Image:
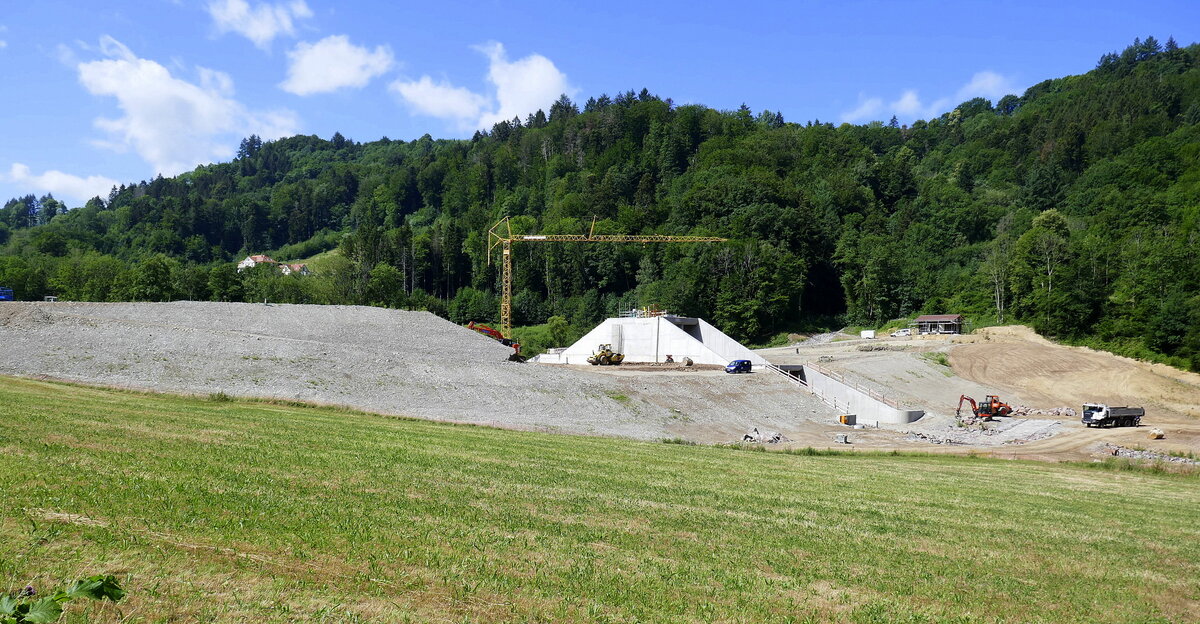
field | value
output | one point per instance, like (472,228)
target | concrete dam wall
(868,406)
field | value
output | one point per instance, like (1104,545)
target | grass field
(217,510)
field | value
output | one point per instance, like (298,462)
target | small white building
(285,268)
(645,340)
(252,261)
(298,269)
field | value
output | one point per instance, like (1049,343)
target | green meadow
(219,510)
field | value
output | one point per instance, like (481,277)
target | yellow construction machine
(605,356)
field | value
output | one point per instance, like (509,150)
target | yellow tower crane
(505,239)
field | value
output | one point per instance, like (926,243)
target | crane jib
(501,235)
(613,238)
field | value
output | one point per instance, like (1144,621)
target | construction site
(826,391)
(646,374)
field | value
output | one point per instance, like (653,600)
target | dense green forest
(1074,207)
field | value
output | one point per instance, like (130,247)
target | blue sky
(97,93)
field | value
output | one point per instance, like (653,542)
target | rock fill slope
(389,361)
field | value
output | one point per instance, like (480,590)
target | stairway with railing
(792,378)
(840,378)
(849,396)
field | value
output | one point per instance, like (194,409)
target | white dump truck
(1100,415)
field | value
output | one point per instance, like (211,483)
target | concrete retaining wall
(645,340)
(870,407)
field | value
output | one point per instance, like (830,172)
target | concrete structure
(939,324)
(645,340)
(868,406)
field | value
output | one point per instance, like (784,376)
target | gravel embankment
(389,361)
(1142,454)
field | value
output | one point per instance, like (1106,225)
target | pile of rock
(1123,451)
(764,437)
(970,420)
(916,436)
(1002,431)
(1055,412)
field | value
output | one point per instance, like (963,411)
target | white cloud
(519,87)
(66,55)
(62,185)
(441,99)
(908,104)
(987,84)
(522,86)
(333,63)
(868,109)
(173,124)
(260,23)
(3,44)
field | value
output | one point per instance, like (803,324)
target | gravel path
(389,361)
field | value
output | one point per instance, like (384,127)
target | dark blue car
(738,366)
(6,294)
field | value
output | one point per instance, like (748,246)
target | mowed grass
(232,511)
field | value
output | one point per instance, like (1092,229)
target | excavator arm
(974,407)
(492,333)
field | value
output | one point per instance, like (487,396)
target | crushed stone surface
(381,360)
(990,433)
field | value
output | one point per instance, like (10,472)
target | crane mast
(500,235)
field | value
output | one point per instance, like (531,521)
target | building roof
(263,259)
(938,318)
(297,267)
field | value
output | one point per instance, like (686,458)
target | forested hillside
(1074,207)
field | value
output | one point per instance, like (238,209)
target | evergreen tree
(563,109)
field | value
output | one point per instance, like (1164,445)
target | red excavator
(989,409)
(499,337)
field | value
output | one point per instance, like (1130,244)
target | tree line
(1071,207)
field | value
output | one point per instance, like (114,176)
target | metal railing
(840,378)
(794,379)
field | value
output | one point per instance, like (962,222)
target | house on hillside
(253,261)
(285,268)
(298,269)
(939,324)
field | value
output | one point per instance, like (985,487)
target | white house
(285,268)
(253,261)
(298,269)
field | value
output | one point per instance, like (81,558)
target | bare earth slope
(1025,370)
(1016,359)
(1049,374)
(389,361)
